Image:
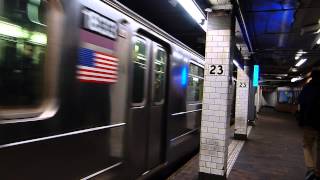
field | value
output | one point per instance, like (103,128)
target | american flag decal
(96,67)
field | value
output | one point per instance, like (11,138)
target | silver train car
(90,90)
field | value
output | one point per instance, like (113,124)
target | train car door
(146,128)
(157,99)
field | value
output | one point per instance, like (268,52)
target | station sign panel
(216,69)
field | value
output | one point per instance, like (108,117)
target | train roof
(123,9)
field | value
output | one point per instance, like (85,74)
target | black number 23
(213,69)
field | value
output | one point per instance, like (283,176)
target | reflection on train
(88,89)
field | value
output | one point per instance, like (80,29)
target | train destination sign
(99,24)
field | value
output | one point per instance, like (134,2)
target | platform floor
(273,152)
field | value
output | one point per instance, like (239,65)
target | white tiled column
(216,97)
(242,104)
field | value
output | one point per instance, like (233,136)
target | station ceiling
(277,30)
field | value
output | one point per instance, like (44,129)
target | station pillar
(217,96)
(242,104)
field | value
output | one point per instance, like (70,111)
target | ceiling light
(294,69)
(296,79)
(297,57)
(318,41)
(301,52)
(195,12)
(301,62)
(236,63)
(282,75)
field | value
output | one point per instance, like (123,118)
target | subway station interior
(159,89)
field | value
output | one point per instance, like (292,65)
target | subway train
(91,90)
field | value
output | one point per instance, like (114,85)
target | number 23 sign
(216,69)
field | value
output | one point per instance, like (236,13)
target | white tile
(204,170)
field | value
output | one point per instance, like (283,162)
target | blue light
(279,20)
(184,76)
(255,75)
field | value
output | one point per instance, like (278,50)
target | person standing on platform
(309,101)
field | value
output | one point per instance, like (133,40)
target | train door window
(23,43)
(139,70)
(195,85)
(160,61)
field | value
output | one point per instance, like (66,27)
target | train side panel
(95,131)
(87,133)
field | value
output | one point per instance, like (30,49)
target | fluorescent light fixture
(296,79)
(293,79)
(318,41)
(236,63)
(301,52)
(195,12)
(298,56)
(301,62)
(256,70)
(294,69)
(281,76)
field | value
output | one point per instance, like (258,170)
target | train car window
(195,85)
(23,43)
(139,68)
(159,75)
